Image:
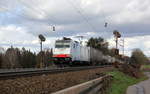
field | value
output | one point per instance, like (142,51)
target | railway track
(30,71)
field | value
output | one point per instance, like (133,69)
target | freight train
(70,52)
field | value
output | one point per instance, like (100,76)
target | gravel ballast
(48,83)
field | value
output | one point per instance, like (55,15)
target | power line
(81,12)
(106,24)
(82,15)
(39,11)
(102,11)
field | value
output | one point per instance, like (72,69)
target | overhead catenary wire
(80,12)
(102,13)
(22,14)
(50,16)
(105,21)
(38,11)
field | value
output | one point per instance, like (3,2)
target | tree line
(102,45)
(137,58)
(22,58)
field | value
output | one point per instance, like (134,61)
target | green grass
(121,82)
(145,66)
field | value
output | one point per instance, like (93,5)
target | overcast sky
(21,21)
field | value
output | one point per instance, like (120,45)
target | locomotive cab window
(59,46)
(62,44)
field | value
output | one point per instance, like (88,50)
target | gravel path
(140,88)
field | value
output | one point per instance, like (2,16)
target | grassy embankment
(145,68)
(121,82)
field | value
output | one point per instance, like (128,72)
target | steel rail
(23,72)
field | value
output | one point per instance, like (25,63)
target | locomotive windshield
(62,44)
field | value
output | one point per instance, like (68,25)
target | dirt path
(140,88)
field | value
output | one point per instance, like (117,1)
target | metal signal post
(122,45)
(42,39)
(116,35)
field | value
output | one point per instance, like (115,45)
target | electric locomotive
(68,52)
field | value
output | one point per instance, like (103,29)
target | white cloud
(72,18)
(13,33)
(7,5)
(19,37)
(134,11)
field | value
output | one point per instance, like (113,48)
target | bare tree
(10,59)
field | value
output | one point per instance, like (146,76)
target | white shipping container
(95,55)
(80,53)
(85,53)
